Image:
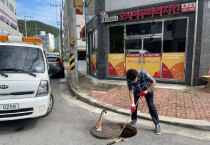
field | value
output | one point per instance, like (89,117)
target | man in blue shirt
(141,84)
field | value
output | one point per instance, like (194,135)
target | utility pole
(25,21)
(75,46)
(59,46)
(36,30)
(61,31)
(72,36)
(55,5)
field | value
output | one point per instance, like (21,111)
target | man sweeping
(141,84)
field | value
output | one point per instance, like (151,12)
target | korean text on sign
(172,9)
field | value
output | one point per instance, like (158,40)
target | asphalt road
(71,120)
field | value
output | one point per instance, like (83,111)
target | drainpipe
(194,44)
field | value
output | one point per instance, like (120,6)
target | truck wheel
(50,107)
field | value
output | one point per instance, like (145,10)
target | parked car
(55,66)
(52,54)
(25,90)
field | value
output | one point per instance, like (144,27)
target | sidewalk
(176,101)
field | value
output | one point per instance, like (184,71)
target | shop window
(92,42)
(133,46)
(144,28)
(11,7)
(116,39)
(175,35)
(152,45)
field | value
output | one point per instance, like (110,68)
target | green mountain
(32,25)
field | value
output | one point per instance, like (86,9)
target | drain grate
(109,131)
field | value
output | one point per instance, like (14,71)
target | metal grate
(109,131)
(16,113)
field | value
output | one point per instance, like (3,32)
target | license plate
(9,107)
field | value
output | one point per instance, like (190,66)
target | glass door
(144,53)
(151,55)
(133,53)
(143,47)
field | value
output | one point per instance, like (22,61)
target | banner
(116,65)
(173,65)
(79,7)
(151,63)
(8,19)
(93,63)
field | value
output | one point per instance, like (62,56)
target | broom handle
(130,116)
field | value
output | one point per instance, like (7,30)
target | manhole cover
(109,131)
(128,131)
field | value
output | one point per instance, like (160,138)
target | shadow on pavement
(7,127)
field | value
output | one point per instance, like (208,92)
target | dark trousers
(150,104)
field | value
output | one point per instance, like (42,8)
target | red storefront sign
(171,9)
(189,7)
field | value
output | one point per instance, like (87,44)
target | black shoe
(132,123)
(157,129)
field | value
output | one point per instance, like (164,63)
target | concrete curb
(198,124)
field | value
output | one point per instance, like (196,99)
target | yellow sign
(72,43)
(173,65)
(151,63)
(79,7)
(93,62)
(116,65)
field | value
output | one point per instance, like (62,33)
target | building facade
(8,18)
(81,44)
(80,23)
(57,42)
(48,41)
(167,38)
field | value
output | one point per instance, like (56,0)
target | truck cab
(25,90)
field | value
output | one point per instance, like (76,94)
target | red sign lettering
(171,9)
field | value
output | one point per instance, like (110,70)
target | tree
(55,50)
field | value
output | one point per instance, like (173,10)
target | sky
(40,10)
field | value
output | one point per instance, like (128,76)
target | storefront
(157,38)
(157,47)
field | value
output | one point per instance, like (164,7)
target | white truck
(25,90)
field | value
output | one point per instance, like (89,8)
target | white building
(48,41)
(58,42)
(8,18)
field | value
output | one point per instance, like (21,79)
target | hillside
(31,28)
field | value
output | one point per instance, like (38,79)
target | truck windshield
(22,58)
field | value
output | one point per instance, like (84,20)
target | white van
(25,90)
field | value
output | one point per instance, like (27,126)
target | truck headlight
(43,89)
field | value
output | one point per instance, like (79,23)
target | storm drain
(110,131)
(128,131)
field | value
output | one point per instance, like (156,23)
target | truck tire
(50,107)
